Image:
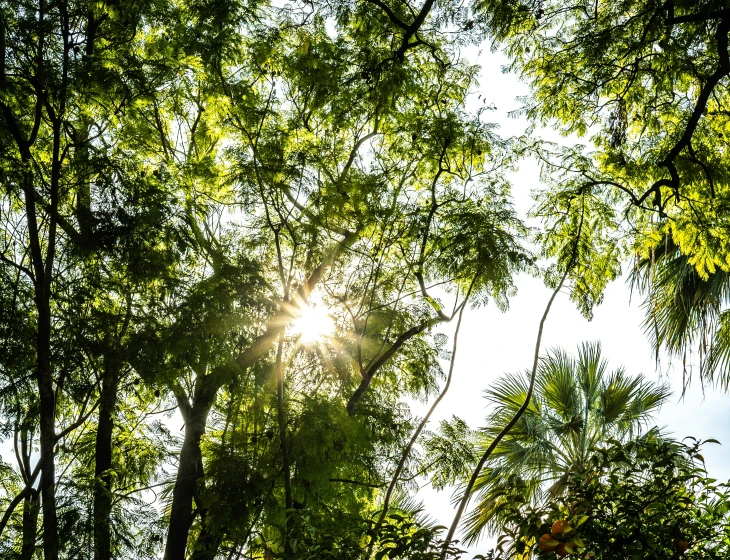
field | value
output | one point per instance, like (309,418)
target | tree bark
(30,524)
(188,475)
(42,276)
(281,414)
(44,374)
(210,538)
(103,461)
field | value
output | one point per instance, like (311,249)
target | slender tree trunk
(495,442)
(44,376)
(189,473)
(42,275)
(103,461)
(372,370)
(358,393)
(28,491)
(47,438)
(83,194)
(31,506)
(414,438)
(281,413)
(196,416)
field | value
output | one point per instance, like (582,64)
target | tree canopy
(232,229)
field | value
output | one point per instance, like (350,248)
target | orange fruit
(560,527)
(548,543)
(682,546)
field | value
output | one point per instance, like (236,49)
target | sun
(312,324)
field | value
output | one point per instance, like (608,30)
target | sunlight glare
(313,324)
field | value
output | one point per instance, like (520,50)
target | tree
(361,195)
(61,105)
(648,498)
(180,181)
(578,405)
(647,81)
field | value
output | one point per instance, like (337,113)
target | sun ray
(312,324)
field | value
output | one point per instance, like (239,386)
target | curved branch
(467,492)
(417,433)
(368,375)
(23,493)
(722,70)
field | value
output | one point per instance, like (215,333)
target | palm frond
(495,495)
(508,392)
(645,402)
(577,406)
(716,367)
(615,396)
(684,310)
(556,384)
(592,369)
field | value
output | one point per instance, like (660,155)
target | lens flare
(313,324)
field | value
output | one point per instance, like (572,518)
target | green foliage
(646,81)
(405,534)
(640,499)
(449,453)
(184,177)
(180,180)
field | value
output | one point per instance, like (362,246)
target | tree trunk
(196,416)
(44,376)
(103,461)
(281,414)
(210,538)
(30,524)
(189,473)
(42,280)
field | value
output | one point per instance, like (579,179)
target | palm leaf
(577,406)
(684,310)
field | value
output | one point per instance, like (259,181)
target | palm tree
(685,311)
(578,404)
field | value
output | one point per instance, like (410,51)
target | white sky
(492,343)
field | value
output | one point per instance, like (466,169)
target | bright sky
(491,343)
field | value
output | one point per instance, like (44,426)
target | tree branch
(375,366)
(391,15)
(719,14)
(467,492)
(419,430)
